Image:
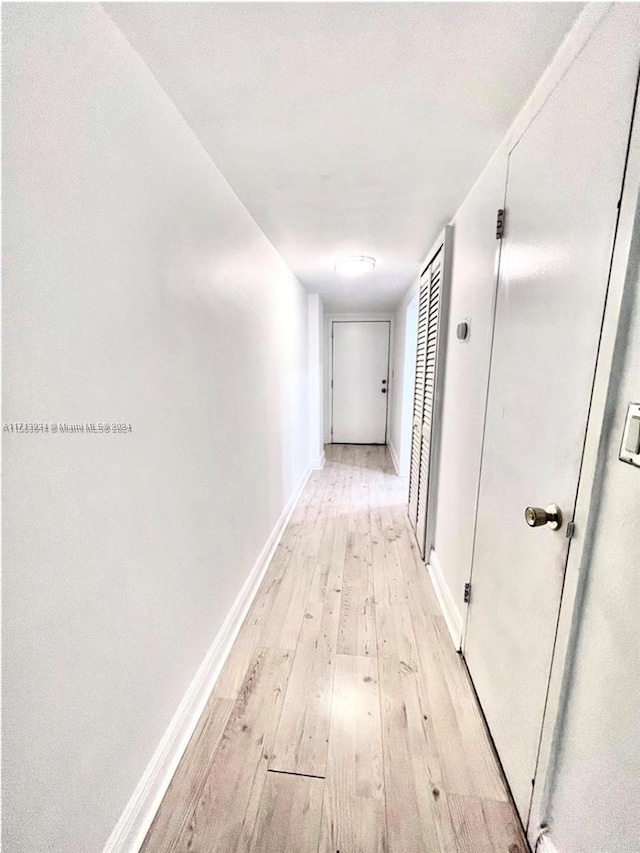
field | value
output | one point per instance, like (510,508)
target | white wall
(316,380)
(403,364)
(595,790)
(137,289)
(466,374)
(407,383)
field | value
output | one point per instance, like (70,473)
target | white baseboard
(394,458)
(318,464)
(450,611)
(134,823)
(544,845)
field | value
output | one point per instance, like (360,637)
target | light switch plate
(630,447)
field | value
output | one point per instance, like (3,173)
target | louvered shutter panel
(418,397)
(430,368)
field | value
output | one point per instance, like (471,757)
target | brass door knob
(535,516)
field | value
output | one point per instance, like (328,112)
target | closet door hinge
(467,593)
(500,225)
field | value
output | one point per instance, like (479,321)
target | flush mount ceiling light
(355,266)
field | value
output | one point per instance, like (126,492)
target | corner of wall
(544,845)
(394,458)
(446,600)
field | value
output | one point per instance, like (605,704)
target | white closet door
(418,398)
(428,355)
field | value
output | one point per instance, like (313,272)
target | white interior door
(563,186)
(360,381)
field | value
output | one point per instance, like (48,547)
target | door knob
(535,516)
(384,390)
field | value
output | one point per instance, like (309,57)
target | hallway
(343,719)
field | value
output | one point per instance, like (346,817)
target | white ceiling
(348,128)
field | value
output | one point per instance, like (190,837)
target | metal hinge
(500,225)
(332,383)
(467,593)
(571,529)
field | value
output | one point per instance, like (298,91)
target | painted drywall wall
(408,384)
(595,787)
(316,380)
(466,374)
(137,290)
(403,381)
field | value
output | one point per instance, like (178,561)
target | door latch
(535,516)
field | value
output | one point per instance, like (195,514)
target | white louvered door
(418,397)
(428,354)
(433,326)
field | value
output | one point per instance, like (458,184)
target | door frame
(356,317)
(588,481)
(387,390)
(445,241)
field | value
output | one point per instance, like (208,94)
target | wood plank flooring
(343,720)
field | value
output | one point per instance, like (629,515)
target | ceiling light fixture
(355,266)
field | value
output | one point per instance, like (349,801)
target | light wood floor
(343,721)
